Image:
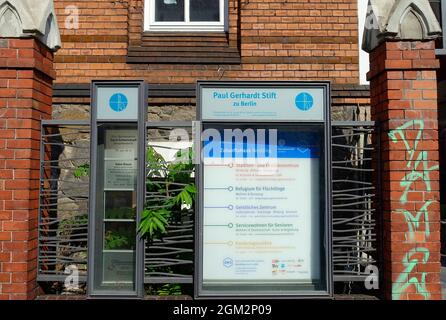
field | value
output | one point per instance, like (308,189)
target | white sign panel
(120,175)
(261,221)
(121,144)
(120,159)
(263,104)
(118,103)
(118,267)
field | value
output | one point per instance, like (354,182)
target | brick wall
(25,97)
(278,40)
(404,101)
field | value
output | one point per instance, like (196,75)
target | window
(364,64)
(185,15)
(439,8)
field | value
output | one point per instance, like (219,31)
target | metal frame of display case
(326,233)
(141,127)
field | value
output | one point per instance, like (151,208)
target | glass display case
(116,204)
(117,168)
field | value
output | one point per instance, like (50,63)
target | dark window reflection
(204,10)
(169,10)
(436,7)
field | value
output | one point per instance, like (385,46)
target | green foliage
(164,179)
(170,290)
(74,220)
(154,222)
(187,195)
(115,241)
(65,226)
(120,213)
(82,171)
(179,170)
(156,162)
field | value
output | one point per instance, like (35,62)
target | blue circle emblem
(118,102)
(304,101)
(228,262)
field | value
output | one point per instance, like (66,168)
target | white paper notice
(120,174)
(120,159)
(121,144)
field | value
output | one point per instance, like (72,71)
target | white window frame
(364,64)
(200,26)
(443,28)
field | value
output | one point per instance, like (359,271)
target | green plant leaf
(82,171)
(187,195)
(153,222)
(166,201)
(157,164)
(115,241)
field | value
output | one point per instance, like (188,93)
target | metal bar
(42,158)
(66,122)
(353,124)
(169,124)
(346,278)
(158,90)
(161,280)
(60,278)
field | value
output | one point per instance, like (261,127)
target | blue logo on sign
(118,102)
(304,101)
(228,262)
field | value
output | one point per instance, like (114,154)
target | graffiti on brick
(404,280)
(420,157)
(413,221)
(419,170)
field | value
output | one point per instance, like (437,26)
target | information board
(260,216)
(264,211)
(248,104)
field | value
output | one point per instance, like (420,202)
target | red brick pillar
(26,76)
(404,103)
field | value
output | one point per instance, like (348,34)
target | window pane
(293,257)
(115,215)
(169,10)
(205,10)
(436,7)
(119,236)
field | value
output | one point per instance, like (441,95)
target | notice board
(264,215)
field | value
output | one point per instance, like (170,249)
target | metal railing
(63,210)
(354,210)
(64,189)
(170,259)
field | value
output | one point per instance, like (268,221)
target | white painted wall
(363,56)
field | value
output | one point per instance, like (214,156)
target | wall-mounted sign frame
(263,231)
(117,167)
